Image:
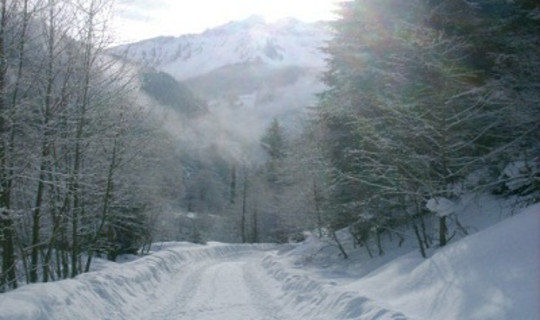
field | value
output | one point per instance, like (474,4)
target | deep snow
(492,274)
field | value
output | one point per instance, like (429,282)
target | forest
(426,101)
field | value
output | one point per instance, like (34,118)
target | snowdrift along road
(198,283)
(492,274)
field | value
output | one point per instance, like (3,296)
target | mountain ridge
(245,73)
(284,43)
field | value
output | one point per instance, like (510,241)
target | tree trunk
(244,209)
(378,240)
(427,239)
(317,201)
(420,242)
(36,241)
(255,225)
(78,156)
(34,256)
(8,278)
(442,231)
(107,199)
(340,247)
(232,196)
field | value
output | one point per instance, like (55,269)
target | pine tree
(272,182)
(410,111)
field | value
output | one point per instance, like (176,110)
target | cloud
(140,19)
(142,10)
(148,4)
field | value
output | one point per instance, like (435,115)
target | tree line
(75,150)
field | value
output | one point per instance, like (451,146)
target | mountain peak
(237,25)
(286,42)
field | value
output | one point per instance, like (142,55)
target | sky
(141,19)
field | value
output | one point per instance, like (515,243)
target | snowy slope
(493,274)
(284,43)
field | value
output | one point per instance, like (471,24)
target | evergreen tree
(273,141)
(271,185)
(411,112)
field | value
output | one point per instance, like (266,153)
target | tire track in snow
(177,293)
(223,293)
(231,288)
(259,286)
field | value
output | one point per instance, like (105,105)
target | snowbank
(113,293)
(493,274)
(315,299)
(441,206)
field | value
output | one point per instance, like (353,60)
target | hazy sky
(141,19)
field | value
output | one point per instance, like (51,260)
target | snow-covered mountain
(248,72)
(284,43)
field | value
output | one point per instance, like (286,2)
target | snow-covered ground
(492,274)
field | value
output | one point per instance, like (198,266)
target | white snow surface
(441,206)
(492,274)
(519,173)
(287,42)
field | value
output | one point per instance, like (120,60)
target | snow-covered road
(488,275)
(218,289)
(218,281)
